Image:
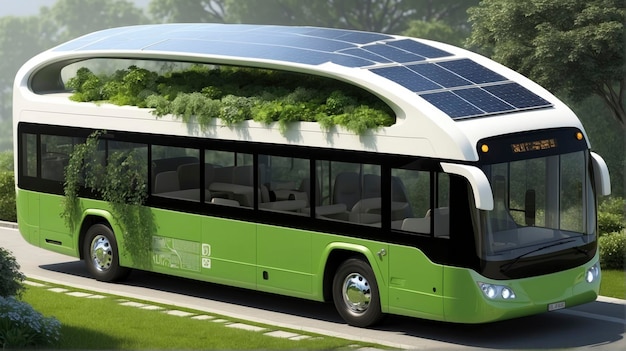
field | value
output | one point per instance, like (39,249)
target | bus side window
(283,184)
(229,178)
(442,207)
(176,173)
(411,200)
(350,192)
(29,155)
(55,155)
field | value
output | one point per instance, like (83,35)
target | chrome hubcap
(356,293)
(101,253)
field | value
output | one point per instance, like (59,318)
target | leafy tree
(20,39)
(23,37)
(575,46)
(436,30)
(391,16)
(605,135)
(73,18)
(187,11)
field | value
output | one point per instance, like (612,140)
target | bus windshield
(539,202)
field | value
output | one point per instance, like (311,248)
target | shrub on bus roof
(236,94)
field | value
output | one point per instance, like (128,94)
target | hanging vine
(121,181)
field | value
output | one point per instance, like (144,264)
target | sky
(31,7)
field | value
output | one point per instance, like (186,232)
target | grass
(613,284)
(98,324)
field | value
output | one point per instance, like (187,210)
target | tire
(355,293)
(102,256)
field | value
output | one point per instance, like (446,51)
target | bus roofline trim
(483,196)
(601,175)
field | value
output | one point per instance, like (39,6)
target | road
(601,324)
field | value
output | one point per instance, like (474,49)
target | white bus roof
(445,98)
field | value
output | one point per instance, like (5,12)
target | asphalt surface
(600,325)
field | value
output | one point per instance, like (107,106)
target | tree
(187,11)
(573,46)
(23,37)
(20,39)
(436,30)
(69,19)
(389,16)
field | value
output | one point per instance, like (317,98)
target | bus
(476,203)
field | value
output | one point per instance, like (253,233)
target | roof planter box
(235,94)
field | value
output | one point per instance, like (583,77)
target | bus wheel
(355,293)
(101,254)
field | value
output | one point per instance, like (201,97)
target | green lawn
(613,284)
(104,323)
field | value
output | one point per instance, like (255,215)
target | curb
(5,224)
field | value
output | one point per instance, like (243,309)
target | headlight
(593,273)
(494,292)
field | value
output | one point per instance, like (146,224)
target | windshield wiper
(505,267)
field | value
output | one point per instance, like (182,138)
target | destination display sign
(531,144)
(535,145)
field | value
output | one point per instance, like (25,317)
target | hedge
(613,250)
(7,197)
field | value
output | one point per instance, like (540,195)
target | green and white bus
(477,203)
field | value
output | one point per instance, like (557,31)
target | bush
(22,326)
(236,94)
(8,210)
(6,161)
(613,250)
(611,215)
(10,276)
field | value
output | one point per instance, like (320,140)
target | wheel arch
(90,218)
(340,252)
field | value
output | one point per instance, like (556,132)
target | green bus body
(294,262)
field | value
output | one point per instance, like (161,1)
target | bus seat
(166,182)
(442,222)
(305,186)
(53,168)
(169,164)
(225,202)
(364,218)
(223,174)
(416,225)
(243,175)
(347,189)
(371,186)
(209,174)
(369,205)
(189,176)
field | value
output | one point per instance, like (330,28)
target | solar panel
(439,75)
(344,35)
(407,78)
(517,95)
(367,55)
(472,71)
(460,87)
(419,48)
(484,100)
(393,53)
(452,105)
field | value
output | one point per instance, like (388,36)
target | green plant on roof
(235,94)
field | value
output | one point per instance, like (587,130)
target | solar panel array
(459,87)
